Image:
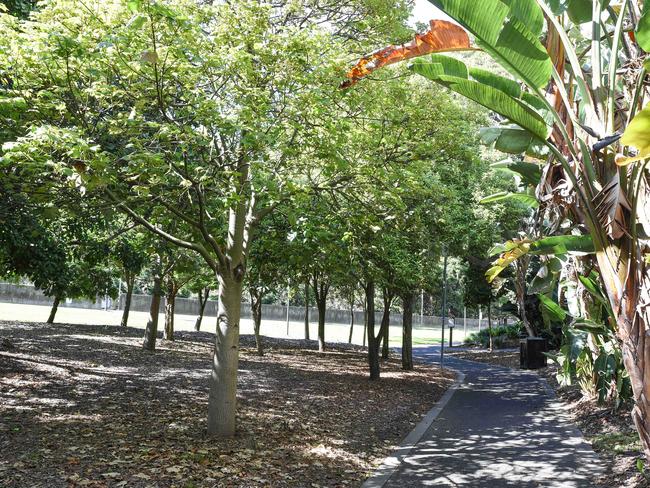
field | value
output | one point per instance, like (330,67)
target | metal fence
(28,295)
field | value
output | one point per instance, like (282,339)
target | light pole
(288,291)
(422,308)
(444,305)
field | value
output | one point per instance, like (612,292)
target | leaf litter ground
(86,406)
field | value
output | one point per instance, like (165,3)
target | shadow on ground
(86,406)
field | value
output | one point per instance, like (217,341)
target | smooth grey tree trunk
(307,310)
(385,323)
(373,341)
(407,331)
(322,308)
(170,307)
(256,312)
(55,307)
(222,400)
(351,322)
(321,289)
(203,301)
(130,282)
(365,323)
(151,331)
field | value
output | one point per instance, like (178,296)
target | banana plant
(579,115)
(577,94)
(590,353)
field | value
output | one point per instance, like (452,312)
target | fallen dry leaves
(507,359)
(86,406)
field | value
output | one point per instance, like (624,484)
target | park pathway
(501,428)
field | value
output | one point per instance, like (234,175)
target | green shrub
(501,336)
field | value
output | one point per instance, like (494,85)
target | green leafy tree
(202,113)
(129,253)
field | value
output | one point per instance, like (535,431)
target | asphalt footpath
(499,428)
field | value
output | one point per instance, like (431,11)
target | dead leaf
(611,206)
(442,36)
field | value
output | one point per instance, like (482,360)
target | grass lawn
(272,328)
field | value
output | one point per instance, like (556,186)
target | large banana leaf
(524,198)
(637,134)
(512,140)
(643,31)
(528,12)
(509,30)
(552,309)
(563,244)
(580,11)
(529,172)
(515,249)
(449,72)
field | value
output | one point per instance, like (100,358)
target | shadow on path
(502,427)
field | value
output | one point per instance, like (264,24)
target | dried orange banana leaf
(442,36)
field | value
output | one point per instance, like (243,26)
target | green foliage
(19,8)
(502,336)
(491,95)
(508,32)
(590,352)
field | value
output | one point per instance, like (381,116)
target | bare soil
(84,405)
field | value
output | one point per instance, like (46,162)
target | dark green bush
(502,336)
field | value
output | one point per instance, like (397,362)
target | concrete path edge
(390,464)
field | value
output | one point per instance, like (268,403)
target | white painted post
(480,317)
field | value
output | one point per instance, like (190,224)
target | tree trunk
(627,282)
(365,322)
(170,306)
(407,331)
(351,321)
(322,308)
(373,342)
(222,401)
(151,331)
(203,301)
(320,294)
(130,282)
(490,324)
(256,312)
(521,268)
(385,322)
(55,307)
(307,310)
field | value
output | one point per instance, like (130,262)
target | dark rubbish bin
(531,352)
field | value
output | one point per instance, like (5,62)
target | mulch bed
(611,433)
(86,406)
(508,359)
